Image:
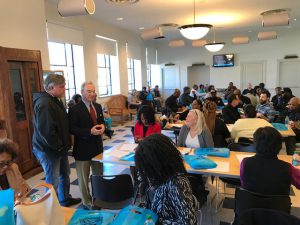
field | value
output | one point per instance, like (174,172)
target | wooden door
(20,76)
(252,72)
(289,75)
(23,79)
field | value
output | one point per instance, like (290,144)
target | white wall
(22,24)
(92,27)
(270,51)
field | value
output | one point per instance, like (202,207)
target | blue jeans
(57,172)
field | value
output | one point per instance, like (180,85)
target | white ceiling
(234,17)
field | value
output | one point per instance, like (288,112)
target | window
(104,63)
(134,74)
(69,58)
(153,75)
(131,77)
(107,66)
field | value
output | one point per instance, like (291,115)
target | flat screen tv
(224,60)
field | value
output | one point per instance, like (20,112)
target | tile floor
(225,213)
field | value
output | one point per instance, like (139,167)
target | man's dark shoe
(70,201)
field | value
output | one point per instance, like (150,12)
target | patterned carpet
(223,216)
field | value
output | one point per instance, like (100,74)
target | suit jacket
(86,145)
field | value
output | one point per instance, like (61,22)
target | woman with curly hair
(10,176)
(168,191)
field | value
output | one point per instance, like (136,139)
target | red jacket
(152,129)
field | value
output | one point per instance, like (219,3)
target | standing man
(51,140)
(87,126)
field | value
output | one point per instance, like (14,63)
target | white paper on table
(240,157)
(221,167)
(185,151)
(128,147)
(118,154)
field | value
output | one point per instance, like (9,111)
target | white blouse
(192,142)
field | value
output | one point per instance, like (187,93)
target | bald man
(294,116)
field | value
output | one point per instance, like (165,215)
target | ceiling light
(141,28)
(75,8)
(120,19)
(176,44)
(240,40)
(121,2)
(199,43)
(194,31)
(214,46)
(267,35)
(277,17)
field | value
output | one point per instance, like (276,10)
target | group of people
(159,164)
(283,108)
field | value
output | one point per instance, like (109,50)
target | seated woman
(265,173)
(196,104)
(10,176)
(195,133)
(146,124)
(168,191)
(216,126)
(246,127)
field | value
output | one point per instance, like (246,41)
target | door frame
(242,78)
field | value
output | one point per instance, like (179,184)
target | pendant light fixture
(194,31)
(214,46)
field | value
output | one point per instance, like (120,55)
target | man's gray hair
(53,80)
(85,83)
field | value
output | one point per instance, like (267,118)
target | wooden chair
(117,107)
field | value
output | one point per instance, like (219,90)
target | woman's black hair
(267,141)
(9,147)
(148,114)
(250,111)
(157,159)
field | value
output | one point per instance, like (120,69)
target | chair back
(266,216)
(241,147)
(245,200)
(245,140)
(112,189)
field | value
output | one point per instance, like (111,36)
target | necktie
(93,114)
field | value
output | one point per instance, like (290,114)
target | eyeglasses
(5,163)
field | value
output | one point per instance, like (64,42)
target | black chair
(238,147)
(245,140)
(241,147)
(112,192)
(266,216)
(245,200)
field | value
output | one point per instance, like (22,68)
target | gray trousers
(83,173)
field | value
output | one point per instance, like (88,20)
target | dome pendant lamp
(194,31)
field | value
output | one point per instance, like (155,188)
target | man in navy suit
(87,126)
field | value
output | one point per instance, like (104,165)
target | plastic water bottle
(286,121)
(149,220)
